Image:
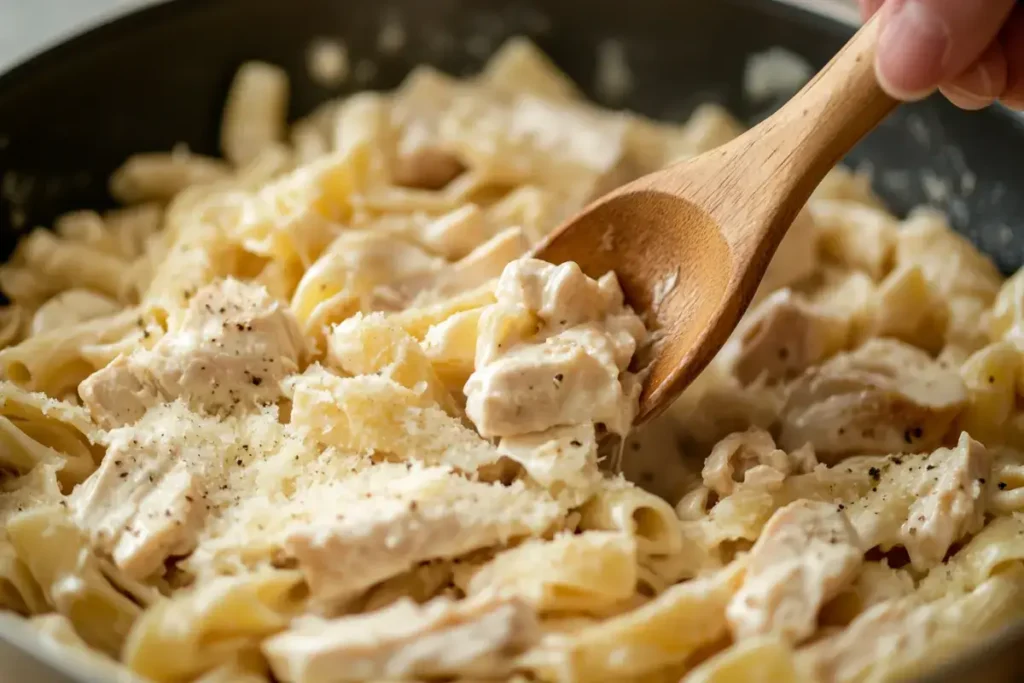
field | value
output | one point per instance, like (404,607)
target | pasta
(159,177)
(228,614)
(311,414)
(254,115)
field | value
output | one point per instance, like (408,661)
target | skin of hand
(971,50)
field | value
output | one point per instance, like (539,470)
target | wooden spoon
(691,243)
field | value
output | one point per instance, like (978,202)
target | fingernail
(972,90)
(977,81)
(912,51)
(966,99)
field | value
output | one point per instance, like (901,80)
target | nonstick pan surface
(158,77)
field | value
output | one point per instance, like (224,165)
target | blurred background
(28,25)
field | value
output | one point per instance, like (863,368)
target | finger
(869,7)
(982,83)
(1012,40)
(927,42)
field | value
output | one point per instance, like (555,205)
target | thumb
(869,7)
(926,42)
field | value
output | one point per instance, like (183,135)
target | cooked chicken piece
(885,397)
(553,351)
(925,502)
(119,394)
(752,458)
(570,379)
(806,554)
(948,503)
(233,348)
(144,503)
(442,639)
(433,516)
(782,337)
(562,459)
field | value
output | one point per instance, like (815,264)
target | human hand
(971,50)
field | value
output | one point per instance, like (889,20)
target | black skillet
(158,77)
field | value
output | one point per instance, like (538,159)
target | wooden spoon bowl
(691,243)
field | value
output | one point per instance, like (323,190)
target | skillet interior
(158,77)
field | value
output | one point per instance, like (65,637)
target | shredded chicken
(234,347)
(145,502)
(383,536)
(885,397)
(949,501)
(554,351)
(441,639)
(806,554)
(561,459)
